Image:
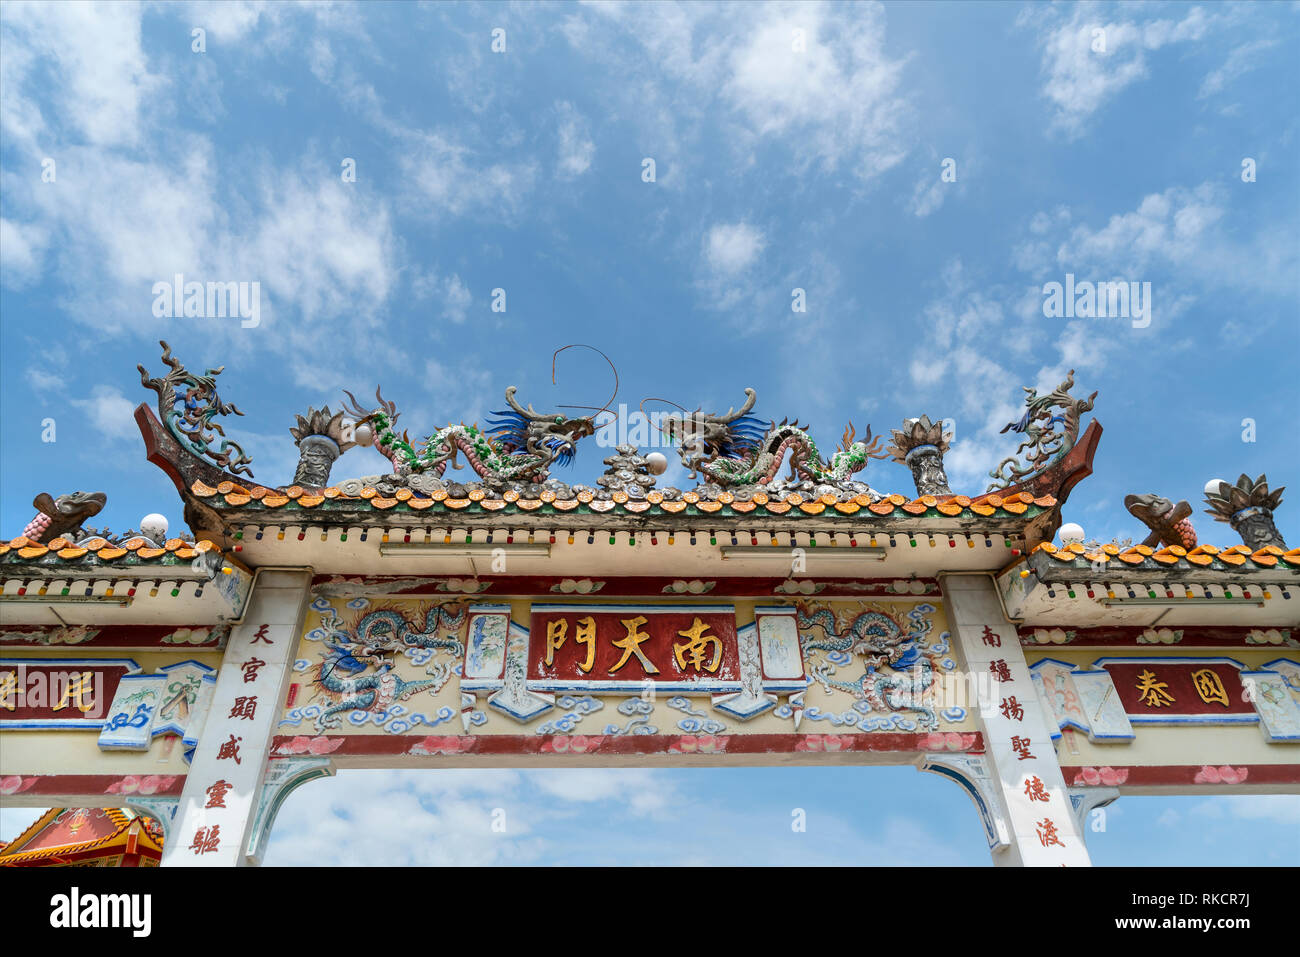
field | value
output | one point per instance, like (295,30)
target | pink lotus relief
(1103,776)
(573,744)
(947,741)
(699,744)
(433,744)
(148,784)
(302,744)
(824,742)
(1221,775)
(15,784)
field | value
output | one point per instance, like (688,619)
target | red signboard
(59,693)
(1155,688)
(590,643)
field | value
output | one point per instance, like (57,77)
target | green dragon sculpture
(735,449)
(521,447)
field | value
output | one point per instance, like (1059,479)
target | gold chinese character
(697,647)
(631,645)
(75,690)
(1151,692)
(584,634)
(8,690)
(1210,687)
(556,632)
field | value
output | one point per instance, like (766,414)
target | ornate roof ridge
(1170,556)
(655,501)
(101,549)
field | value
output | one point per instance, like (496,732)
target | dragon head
(701,437)
(1167,520)
(552,436)
(79,505)
(382,420)
(1152,509)
(857,454)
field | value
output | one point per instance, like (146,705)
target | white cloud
(1182,240)
(452,179)
(941,178)
(1089,60)
(257,26)
(321,245)
(321,59)
(229,21)
(456,299)
(835,102)
(964,310)
(1241,59)
(1170,226)
(128,221)
(732,248)
(639,790)
(22,249)
(448,818)
(132,206)
(576,147)
(450,291)
(928,196)
(927,371)
(43,381)
(111,414)
(835,97)
(426,820)
(99,60)
(1282,810)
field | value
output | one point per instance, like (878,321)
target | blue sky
(775,169)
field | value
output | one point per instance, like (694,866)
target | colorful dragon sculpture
(187,404)
(378,637)
(1043,444)
(735,449)
(880,640)
(521,447)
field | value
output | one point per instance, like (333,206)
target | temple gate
(409,620)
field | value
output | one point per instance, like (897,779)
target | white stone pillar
(224,785)
(1044,831)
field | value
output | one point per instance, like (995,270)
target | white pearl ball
(363,435)
(154,527)
(1071,532)
(1213,485)
(656,463)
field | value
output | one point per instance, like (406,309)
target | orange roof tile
(1203,556)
